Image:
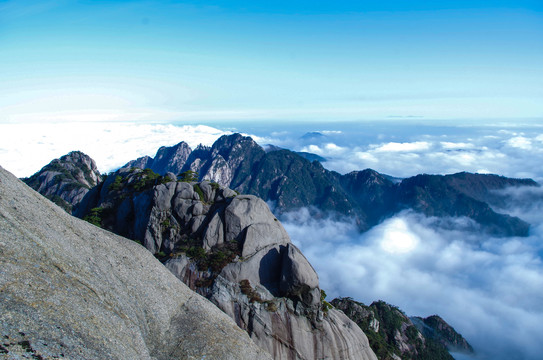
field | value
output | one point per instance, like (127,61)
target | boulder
(298,278)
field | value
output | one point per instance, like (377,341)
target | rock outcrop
(167,159)
(395,336)
(231,249)
(67,180)
(71,290)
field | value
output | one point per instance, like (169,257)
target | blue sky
(303,60)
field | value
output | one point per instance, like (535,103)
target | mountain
(291,181)
(463,194)
(435,328)
(306,155)
(393,335)
(70,290)
(167,159)
(314,135)
(233,250)
(67,180)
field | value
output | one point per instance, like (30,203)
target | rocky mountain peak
(67,180)
(229,146)
(437,329)
(167,159)
(171,159)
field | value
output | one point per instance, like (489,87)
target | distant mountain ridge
(291,181)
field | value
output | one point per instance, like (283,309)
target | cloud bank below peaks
(26,148)
(488,289)
(415,150)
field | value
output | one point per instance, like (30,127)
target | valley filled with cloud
(488,289)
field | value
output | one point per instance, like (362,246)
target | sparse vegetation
(61,202)
(325,304)
(160,255)
(214,185)
(215,259)
(254,296)
(188,176)
(147,179)
(199,192)
(117,184)
(95,216)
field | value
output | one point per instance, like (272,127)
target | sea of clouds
(25,148)
(405,150)
(489,289)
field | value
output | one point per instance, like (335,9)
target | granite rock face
(72,290)
(231,249)
(67,180)
(167,159)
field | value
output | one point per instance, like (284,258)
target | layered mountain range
(290,181)
(185,207)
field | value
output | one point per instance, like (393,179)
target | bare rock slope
(71,290)
(231,249)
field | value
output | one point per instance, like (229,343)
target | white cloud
(334,149)
(456,146)
(498,151)
(26,148)
(403,147)
(520,142)
(488,289)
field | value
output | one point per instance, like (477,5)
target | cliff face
(67,180)
(394,336)
(233,250)
(167,159)
(72,290)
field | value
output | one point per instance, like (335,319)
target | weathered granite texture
(71,290)
(233,250)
